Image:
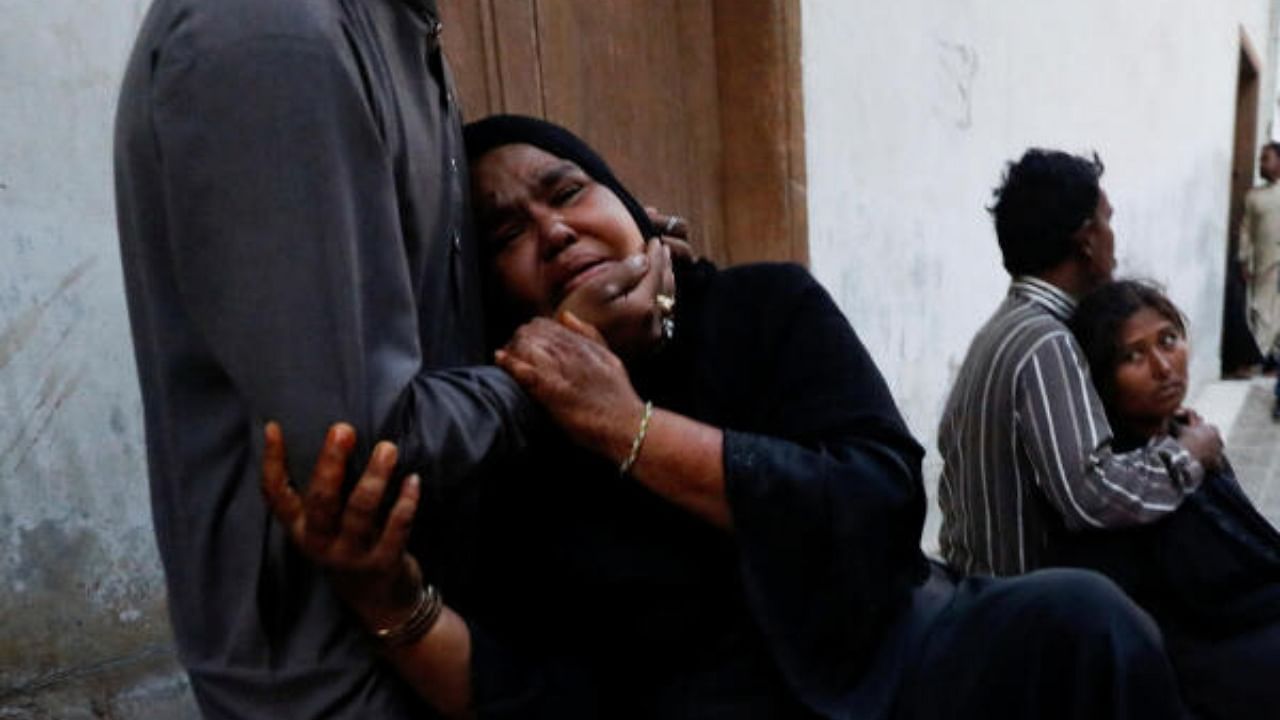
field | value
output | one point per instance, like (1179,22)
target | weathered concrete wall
(83,630)
(912,108)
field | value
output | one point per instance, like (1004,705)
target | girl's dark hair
(1099,317)
(1043,199)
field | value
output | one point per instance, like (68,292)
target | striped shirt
(1024,434)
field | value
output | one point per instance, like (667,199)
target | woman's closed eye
(504,235)
(566,193)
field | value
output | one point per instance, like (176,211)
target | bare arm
(366,560)
(566,366)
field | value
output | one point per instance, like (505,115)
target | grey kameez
(293,225)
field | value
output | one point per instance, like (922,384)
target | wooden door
(695,103)
(1246,136)
(1237,349)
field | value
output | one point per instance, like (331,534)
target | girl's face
(1151,371)
(548,224)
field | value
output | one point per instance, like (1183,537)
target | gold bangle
(625,467)
(426,611)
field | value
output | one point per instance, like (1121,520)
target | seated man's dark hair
(1273,146)
(1044,198)
(1100,316)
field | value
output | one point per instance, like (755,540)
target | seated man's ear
(1086,240)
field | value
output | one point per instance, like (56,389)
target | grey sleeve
(288,255)
(1068,440)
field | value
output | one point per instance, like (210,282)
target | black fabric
(593,598)
(1239,348)
(1209,573)
(1210,569)
(597,597)
(495,131)
(1232,678)
(1056,644)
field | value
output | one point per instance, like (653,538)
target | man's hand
(365,558)
(674,231)
(1201,439)
(622,302)
(566,367)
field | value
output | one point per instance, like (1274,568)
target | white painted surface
(82,579)
(1220,401)
(913,107)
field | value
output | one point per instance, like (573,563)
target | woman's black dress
(1209,574)
(590,597)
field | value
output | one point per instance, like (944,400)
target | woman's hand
(1201,439)
(567,368)
(623,301)
(675,233)
(365,557)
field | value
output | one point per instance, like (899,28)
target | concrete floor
(1253,446)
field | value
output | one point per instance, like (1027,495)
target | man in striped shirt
(1025,443)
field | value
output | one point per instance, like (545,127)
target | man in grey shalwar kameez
(293,221)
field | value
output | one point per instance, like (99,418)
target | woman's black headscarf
(484,135)
(495,131)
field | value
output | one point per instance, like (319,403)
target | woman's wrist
(382,602)
(422,616)
(637,442)
(622,434)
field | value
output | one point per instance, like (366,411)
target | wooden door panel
(637,81)
(492,48)
(762,130)
(696,103)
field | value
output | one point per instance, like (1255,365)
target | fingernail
(638,261)
(414,481)
(341,434)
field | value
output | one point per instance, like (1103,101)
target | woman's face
(1151,371)
(549,224)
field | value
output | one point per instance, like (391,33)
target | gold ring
(665,303)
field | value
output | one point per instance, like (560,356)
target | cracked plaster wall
(912,108)
(83,630)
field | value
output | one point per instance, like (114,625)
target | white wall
(81,595)
(912,107)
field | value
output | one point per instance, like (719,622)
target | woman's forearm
(438,665)
(682,460)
